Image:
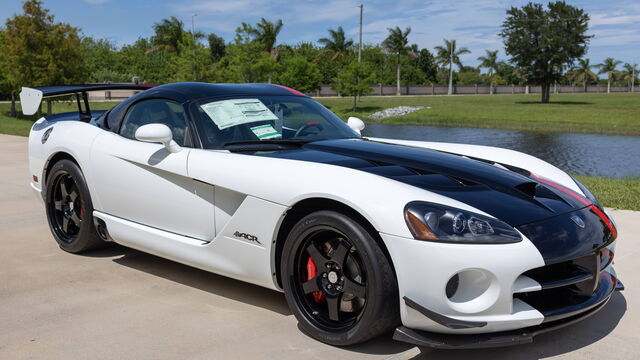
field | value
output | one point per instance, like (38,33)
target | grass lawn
(614,193)
(21,125)
(617,113)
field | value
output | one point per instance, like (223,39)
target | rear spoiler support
(31,98)
(85,115)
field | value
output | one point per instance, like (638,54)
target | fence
(382,90)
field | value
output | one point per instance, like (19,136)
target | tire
(69,209)
(337,281)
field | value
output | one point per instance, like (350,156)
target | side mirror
(158,133)
(356,124)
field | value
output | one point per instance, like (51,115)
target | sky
(615,24)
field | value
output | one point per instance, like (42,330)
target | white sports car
(451,245)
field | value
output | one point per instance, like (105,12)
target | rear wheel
(337,281)
(69,208)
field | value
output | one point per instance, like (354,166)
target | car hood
(508,195)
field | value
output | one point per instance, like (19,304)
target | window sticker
(228,113)
(264,132)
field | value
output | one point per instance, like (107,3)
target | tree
(490,62)
(582,73)
(396,43)
(354,81)
(426,62)
(5,86)
(138,59)
(266,33)
(37,51)
(301,75)
(246,62)
(506,72)
(192,60)
(337,42)
(168,34)
(449,55)
(608,67)
(630,73)
(541,42)
(103,61)
(216,47)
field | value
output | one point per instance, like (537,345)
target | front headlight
(434,222)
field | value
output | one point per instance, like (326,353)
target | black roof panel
(192,91)
(189,91)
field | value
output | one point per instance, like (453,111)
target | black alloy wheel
(337,280)
(66,208)
(69,208)
(331,281)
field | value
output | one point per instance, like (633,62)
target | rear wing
(31,98)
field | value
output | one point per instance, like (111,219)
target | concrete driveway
(123,304)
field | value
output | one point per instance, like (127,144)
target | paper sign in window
(228,113)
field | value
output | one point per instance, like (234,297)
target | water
(584,154)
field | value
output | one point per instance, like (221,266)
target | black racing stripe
(541,212)
(507,195)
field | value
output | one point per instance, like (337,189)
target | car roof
(192,91)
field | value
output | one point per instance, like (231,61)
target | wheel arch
(307,206)
(53,159)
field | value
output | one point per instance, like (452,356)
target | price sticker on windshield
(264,132)
(228,113)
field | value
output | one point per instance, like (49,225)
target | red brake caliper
(318,296)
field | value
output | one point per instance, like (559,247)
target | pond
(584,154)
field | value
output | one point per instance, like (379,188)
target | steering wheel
(303,128)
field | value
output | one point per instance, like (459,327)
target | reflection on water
(584,154)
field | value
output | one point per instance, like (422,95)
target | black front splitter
(489,340)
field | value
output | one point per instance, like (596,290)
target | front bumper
(508,294)
(499,339)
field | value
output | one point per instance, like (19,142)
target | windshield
(266,119)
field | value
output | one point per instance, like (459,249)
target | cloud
(96,2)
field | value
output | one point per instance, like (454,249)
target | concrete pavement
(123,304)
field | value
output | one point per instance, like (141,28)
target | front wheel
(337,281)
(69,208)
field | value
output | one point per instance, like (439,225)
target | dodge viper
(447,245)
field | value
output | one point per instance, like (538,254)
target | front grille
(568,285)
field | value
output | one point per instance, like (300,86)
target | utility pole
(360,45)
(360,41)
(633,79)
(193,45)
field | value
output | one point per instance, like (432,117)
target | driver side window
(156,111)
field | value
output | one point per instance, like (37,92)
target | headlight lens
(434,222)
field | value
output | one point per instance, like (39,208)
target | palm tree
(582,73)
(449,55)
(490,62)
(630,73)
(396,43)
(266,33)
(168,34)
(608,67)
(337,42)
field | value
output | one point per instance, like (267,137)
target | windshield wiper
(278,144)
